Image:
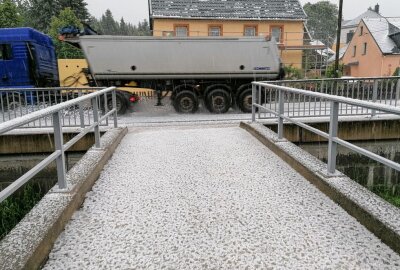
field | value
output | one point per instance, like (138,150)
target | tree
(78,7)
(23,7)
(9,15)
(108,25)
(143,28)
(94,23)
(63,49)
(123,28)
(40,12)
(322,20)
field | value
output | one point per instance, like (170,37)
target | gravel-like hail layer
(210,198)
(376,206)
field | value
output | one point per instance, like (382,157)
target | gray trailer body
(133,58)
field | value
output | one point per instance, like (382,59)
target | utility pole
(338,38)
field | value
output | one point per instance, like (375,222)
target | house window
(277,33)
(354,51)
(349,36)
(181,30)
(214,30)
(361,30)
(250,31)
(365,48)
(5,52)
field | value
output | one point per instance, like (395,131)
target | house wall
(293,32)
(373,63)
(390,64)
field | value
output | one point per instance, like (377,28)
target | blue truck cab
(27,59)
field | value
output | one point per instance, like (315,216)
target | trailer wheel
(13,102)
(245,101)
(186,102)
(121,104)
(218,101)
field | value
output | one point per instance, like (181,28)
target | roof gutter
(150,17)
(228,19)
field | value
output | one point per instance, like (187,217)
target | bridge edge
(22,249)
(382,226)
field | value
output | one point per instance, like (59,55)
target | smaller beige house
(374,49)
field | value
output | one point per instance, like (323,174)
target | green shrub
(293,73)
(331,73)
(14,208)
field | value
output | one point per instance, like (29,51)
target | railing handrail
(20,121)
(47,89)
(332,136)
(349,101)
(334,79)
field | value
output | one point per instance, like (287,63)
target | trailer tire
(218,101)
(121,104)
(14,101)
(186,102)
(245,100)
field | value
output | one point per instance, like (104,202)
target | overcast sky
(137,10)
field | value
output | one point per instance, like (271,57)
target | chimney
(377,8)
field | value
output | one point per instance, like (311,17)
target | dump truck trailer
(217,70)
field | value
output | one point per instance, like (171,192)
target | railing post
(96,121)
(114,104)
(333,131)
(105,107)
(375,95)
(281,112)
(397,91)
(59,146)
(81,115)
(253,100)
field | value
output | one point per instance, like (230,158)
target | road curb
(28,245)
(377,215)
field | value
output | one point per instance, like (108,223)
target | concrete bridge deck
(210,198)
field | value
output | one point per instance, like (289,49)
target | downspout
(150,19)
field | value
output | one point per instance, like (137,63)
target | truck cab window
(5,52)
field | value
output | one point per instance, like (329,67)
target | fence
(381,90)
(22,101)
(58,155)
(282,112)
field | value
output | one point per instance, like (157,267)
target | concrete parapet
(374,129)
(29,243)
(40,143)
(377,215)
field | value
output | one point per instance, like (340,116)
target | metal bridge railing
(282,112)
(382,90)
(58,155)
(16,102)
